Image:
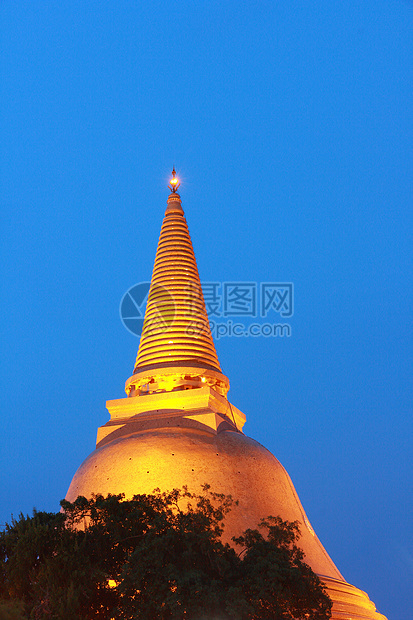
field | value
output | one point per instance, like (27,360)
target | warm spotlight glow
(174,182)
(203,379)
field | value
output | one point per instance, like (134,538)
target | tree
(156,556)
(290,588)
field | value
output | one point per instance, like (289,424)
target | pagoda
(177,427)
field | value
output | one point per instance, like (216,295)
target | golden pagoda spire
(176,350)
(177,429)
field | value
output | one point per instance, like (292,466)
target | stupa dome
(177,428)
(229,461)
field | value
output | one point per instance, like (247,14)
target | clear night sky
(290,124)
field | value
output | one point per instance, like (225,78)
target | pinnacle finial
(174,182)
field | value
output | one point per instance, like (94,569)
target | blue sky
(290,124)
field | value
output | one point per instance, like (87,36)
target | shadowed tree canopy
(156,556)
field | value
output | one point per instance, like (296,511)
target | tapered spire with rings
(176,338)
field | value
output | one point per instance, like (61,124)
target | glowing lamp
(174,182)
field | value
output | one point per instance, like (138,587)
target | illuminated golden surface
(176,427)
(229,461)
(167,379)
(176,326)
(172,456)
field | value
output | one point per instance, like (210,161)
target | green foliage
(156,556)
(277,582)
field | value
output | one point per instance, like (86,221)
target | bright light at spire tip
(174,182)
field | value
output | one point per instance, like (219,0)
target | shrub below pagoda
(156,556)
